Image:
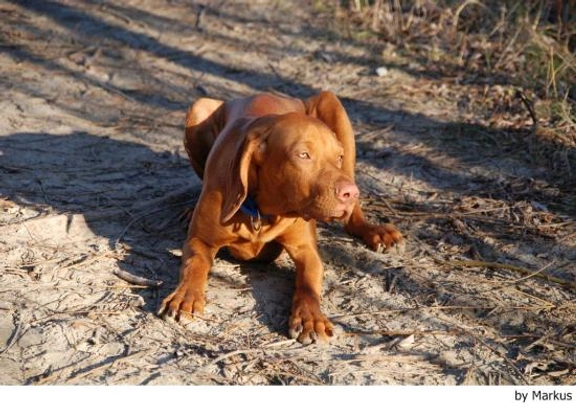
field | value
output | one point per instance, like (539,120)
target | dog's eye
(304,155)
(340,160)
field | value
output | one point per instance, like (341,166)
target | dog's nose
(347,191)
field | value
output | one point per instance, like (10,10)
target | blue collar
(250,208)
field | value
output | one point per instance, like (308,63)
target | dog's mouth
(334,216)
(340,215)
(335,213)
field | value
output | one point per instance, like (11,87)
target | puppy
(271,167)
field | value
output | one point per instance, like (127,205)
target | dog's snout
(347,191)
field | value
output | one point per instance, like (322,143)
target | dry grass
(527,47)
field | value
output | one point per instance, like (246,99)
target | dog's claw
(295,332)
(384,239)
(308,324)
(181,305)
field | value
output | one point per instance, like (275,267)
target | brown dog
(271,166)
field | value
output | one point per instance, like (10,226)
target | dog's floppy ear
(326,107)
(250,134)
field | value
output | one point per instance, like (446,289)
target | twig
(246,352)
(545,303)
(533,274)
(400,333)
(566,236)
(315,382)
(497,265)
(499,354)
(134,220)
(105,364)
(230,354)
(136,280)
(119,15)
(393,311)
(44,195)
(529,107)
(199,16)
(460,9)
(469,331)
(394,212)
(538,337)
(74,287)
(13,338)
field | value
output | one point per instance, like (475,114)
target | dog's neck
(250,207)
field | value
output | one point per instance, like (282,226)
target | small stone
(382,71)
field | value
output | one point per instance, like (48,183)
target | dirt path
(93,179)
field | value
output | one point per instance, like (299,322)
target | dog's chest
(264,231)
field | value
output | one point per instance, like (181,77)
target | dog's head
(291,165)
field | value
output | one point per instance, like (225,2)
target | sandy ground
(94,179)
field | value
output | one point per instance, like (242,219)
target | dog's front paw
(384,238)
(308,324)
(182,304)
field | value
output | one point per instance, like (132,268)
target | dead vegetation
(515,58)
(465,130)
